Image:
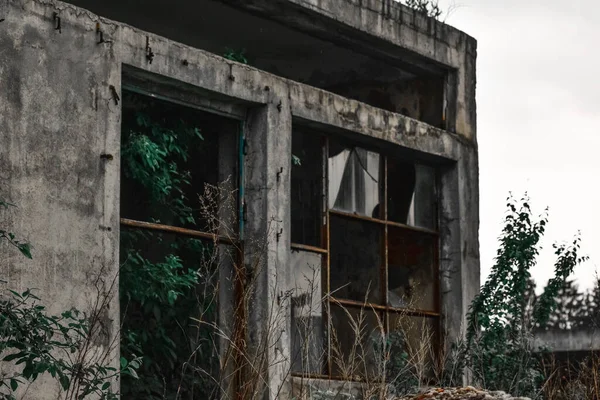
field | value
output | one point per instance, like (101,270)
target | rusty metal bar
(328,255)
(305,247)
(384,265)
(413,228)
(354,378)
(176,230)
(378,307)
(356,216)
(414,312)
(382,222)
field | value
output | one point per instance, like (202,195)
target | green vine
(504,314)
(165,280)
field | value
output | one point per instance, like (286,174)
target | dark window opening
(178,207)
(356,259)
(355,335)
(306,189)
(411,271)
(411,194)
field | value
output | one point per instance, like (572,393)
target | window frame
(325,251)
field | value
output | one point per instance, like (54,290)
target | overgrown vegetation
(164,279)
(169,285)
(429,8)
(499,348)
(237,56)
(34,343)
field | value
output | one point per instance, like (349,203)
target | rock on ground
(468,392)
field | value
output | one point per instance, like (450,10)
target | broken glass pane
(411,194)
(354,180)
(170,156)
(412,279)
(413,342)
(356,247)
(356,334)
(308,351)
(307,188)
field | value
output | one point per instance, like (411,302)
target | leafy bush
(430,8)
(164,279)
(37,343)
(502,317)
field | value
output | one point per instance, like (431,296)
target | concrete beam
(568,341)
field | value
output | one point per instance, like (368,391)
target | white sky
(538,105)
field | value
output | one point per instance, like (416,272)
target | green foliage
(428,7)
(151,152)
(10,237)
(36,343)
(296,161)
(164,279)
(501,318)
(237,56)
(398,370)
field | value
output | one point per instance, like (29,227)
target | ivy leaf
(296,160)
(64,382)
(25,249)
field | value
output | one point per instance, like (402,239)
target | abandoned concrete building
(310,163)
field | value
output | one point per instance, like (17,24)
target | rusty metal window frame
(325,251)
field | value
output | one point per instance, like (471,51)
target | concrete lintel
(323,108)
(568,340)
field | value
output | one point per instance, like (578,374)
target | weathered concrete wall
(57,118)
(60,145)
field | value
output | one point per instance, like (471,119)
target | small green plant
(427,7)
(237,56)
(10,237)
(36,343)
(399,371)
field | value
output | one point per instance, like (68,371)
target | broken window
(356,259)
(411,194)
(411,269)
(379,264)
(178,229)
(355,333)
(354,180)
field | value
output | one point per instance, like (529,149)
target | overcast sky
(538,106)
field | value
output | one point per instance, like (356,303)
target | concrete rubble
(460,393)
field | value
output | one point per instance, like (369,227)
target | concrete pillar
(267,240)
